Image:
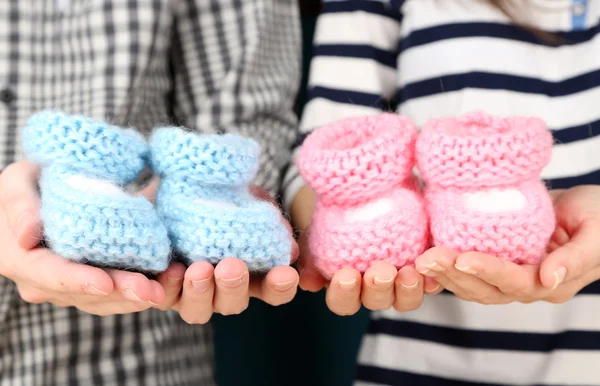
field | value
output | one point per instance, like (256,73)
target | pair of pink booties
(482,189)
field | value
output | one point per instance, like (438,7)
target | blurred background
(301,343)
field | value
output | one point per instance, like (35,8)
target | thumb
(573,259)
(21,202)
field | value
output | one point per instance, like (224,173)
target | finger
(149,191)
(428,263)
(116,307)
(135,287)
(278,287)
(158,293)
(573,259)
(172,282)
(471,288)
(52,273)
(34,295)
(262,194)
(295,253)
(378,286)
(343,294)
(508,277)
(231,292)
(560,236)
(310,278)
(21,202)
(196,304)
(431,286)
(466,286)
(409,290)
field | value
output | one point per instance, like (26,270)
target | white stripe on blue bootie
(86,213)
(205,202)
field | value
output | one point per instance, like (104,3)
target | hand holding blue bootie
(87,215)
(205,202)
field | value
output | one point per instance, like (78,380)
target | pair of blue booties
(204,210)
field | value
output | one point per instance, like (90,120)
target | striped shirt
(433,58)
(211,65)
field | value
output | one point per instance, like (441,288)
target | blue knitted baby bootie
(87,216)
(205,202)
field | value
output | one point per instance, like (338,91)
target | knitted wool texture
(108,228)
(205,202)
(480,157)
(368,208)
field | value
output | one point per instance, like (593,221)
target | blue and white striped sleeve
(353,70)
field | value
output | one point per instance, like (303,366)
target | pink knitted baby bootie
(368,208)
(484,191)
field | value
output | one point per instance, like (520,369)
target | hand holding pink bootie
(368,207)
(484,191)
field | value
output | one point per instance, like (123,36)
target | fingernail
(91,290)
(437,287)
(409,287)
(347,285)
(466,269)
(559,276)
(426,272)
(130,295)
(436,267)
(154,304)
(422,271)
(201,285)
(285,285)
(174,280)
(377,280)
(232,283)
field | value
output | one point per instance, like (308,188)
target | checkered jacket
(210,65)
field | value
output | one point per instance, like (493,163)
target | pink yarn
(355,159)
(486,154)
(363,165)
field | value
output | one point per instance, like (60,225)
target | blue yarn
(208,210)
(84,225)
(88,227)
(226,159)
(96,149)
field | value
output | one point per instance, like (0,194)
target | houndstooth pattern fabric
(212,65)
